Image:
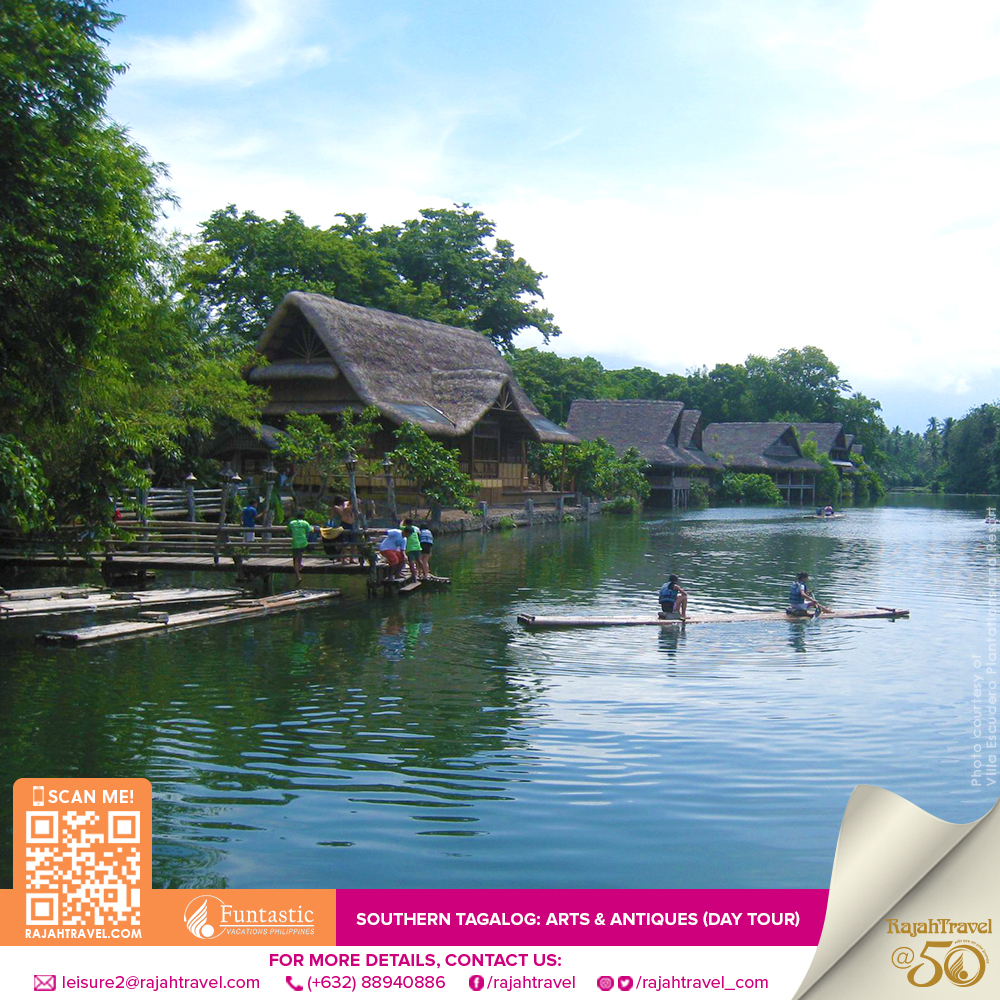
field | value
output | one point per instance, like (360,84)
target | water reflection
(433,743)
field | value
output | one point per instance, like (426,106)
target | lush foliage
(699,494)
(594,469)
(506,523)
(621,505)
(23,498)
(308,440)
(433,467)
(749,487)
(103,370)
(828,483)
(446,266)
(973,453)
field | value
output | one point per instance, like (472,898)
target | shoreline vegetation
(125,349)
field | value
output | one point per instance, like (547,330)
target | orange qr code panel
(86,852)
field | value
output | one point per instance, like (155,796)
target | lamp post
(189,480)
(144,492)
(270,476)
(351,461)
(390,489)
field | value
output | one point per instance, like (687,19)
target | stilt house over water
(770,447)
(325,356)
(665,434)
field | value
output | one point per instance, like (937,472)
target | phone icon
(38,795)
(298,989)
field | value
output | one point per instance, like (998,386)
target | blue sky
(699,180)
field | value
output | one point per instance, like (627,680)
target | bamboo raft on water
(542,621)
(822,517)
(160,621)
(81,600)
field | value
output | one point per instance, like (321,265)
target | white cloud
(269,40)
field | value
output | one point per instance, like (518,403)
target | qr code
(82,869)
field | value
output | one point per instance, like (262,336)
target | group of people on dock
(411,545)
(801,604)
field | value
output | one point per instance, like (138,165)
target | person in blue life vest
(673,599)
(801,604)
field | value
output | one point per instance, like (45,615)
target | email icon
(45,983)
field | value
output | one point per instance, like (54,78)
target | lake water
(433,743)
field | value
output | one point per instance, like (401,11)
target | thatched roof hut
(327,355)
(666,435)
(757,447)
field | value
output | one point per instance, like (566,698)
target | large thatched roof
(662,430)
(769,446)
(442,378)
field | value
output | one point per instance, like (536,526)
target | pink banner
(572,917)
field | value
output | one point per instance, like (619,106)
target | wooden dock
(542,621)
(80,600)
(162,622)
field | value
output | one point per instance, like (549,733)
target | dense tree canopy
(102,369)
(446,266)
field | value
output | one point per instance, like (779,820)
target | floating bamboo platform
(541,621)
(409,586)
(822,517)
(80,600)
(39,593)
(162,622)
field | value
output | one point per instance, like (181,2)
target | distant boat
(822,517)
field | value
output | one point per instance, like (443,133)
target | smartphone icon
(298,989)
(38,795)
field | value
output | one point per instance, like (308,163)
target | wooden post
(529,509)
(226,475)
(586,507)
(560,504)
(390,490)
(436,514)
(562,471)
(483,511)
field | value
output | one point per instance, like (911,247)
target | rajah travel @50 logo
(208,917)
(961,961)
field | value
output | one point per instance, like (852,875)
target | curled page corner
(903,878)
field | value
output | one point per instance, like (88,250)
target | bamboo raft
(159,621)
(542,621)
(81,600)
(822,517)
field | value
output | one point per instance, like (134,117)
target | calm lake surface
(433,743)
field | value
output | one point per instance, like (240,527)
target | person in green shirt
(300,531)
(413,550)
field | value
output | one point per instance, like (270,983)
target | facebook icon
(476,983)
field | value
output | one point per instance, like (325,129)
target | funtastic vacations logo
(208,917)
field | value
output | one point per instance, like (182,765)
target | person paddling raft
(801,604)
(673,599)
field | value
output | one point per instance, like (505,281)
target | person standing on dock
(413,550)
(344,515)
(300,531)
(801,604)
(392,548)
(249,518)
(673,599)
(426,547)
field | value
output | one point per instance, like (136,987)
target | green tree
(79,202)
(974,451)
(457,253)
(828,485)
(434,467)
(309,440)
